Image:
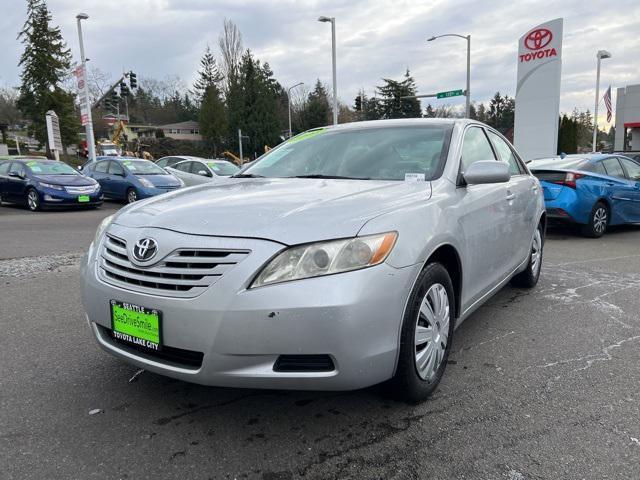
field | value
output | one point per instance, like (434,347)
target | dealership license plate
(136,325)
(84,198)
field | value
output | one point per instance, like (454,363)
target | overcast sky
(375,39)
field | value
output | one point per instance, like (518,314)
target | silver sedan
(345,257)
(198,171)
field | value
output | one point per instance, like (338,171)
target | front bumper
(353,317)
(148,192)
(50,197)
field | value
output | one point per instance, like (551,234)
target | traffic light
(133,80)
(359,103)
(124,89)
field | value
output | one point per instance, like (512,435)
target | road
(541,384)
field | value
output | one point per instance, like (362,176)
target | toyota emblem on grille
(145,249)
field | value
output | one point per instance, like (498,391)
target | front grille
(304,363)
(81,190)
(182,273)
(167,187)
(171,355)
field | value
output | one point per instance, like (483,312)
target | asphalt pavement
(541,384)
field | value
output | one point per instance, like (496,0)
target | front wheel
(598,221)
(427,332)
(132,195)
(529,277)
(33,200)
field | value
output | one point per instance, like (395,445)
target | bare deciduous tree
(230,43)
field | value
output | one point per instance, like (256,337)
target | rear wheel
(33,200)
(529,277)
(427,332)
(132,195)
(598,221)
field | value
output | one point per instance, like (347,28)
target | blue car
(41,183)
(130,178)
(593,191)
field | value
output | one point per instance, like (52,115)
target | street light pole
(289,104)
(85,90)
(333,61)
(600,55)
(468,91)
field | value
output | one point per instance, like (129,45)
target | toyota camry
(345,257)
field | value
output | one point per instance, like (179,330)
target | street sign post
(450,93)
(53,133)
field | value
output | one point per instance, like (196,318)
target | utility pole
(85,90)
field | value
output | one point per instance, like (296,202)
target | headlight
(101,228)
(50,185)
(145,182)
(326,258)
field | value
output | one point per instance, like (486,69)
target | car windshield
(385,153)
(143,167)
(50,168)
(562,163)
(223,168)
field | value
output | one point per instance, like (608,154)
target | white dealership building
(627,118)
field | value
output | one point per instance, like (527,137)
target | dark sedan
(39,183)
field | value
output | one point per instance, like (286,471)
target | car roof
(22,158)
(183,157)
(590,157)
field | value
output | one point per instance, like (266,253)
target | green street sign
(450,93)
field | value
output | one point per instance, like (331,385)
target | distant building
(189,130)
(628,118)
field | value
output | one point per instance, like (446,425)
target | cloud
(376,39)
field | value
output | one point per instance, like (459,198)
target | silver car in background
(344,257)
(199,171)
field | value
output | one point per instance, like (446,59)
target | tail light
(570,179)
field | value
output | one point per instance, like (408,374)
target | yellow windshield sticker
(307,135)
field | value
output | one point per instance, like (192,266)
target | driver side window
(475,147)
(115,168)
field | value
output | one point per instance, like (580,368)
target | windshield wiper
(318,175)
(247,175)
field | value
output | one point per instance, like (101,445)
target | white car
(196,172)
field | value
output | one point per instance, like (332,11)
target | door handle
(510,196)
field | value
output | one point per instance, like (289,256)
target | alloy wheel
(600,220)
(536,252)
(33,200)
(132,196)
(432,331)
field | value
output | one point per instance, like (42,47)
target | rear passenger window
(632,168)
(4,168)
(506,154)
(475,147)
(595,168)
(613,168)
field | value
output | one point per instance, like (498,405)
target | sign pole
(85,104)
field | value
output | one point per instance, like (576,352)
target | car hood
(66,180)
(161,180)
(289,211)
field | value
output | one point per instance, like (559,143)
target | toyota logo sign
(145,249)
(537,39)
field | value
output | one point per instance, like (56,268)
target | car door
(200,173)
(523,188)
(620,191)
(632,172)
(16,183)
(4,178)
(118,183)
(483,220)
(99,173)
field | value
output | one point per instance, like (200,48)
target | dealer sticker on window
(414,177)
(136,325)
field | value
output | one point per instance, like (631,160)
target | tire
(1,200)
(412,383)
(132,195)
(598,221)
(33,200)
(529,277)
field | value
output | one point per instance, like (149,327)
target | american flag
(607,102)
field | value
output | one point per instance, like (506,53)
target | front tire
(529,277)
(132,195)
(598,221)
(427,332)
(33,200)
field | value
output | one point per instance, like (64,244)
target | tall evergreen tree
(213,119)
(392,104)
(208,75)
(318,110)
(45,62)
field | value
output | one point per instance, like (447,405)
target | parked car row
(38,182)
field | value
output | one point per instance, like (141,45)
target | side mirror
(487,171)
(203,173)
(15,175)
(79,168)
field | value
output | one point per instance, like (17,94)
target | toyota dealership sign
(538,90)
